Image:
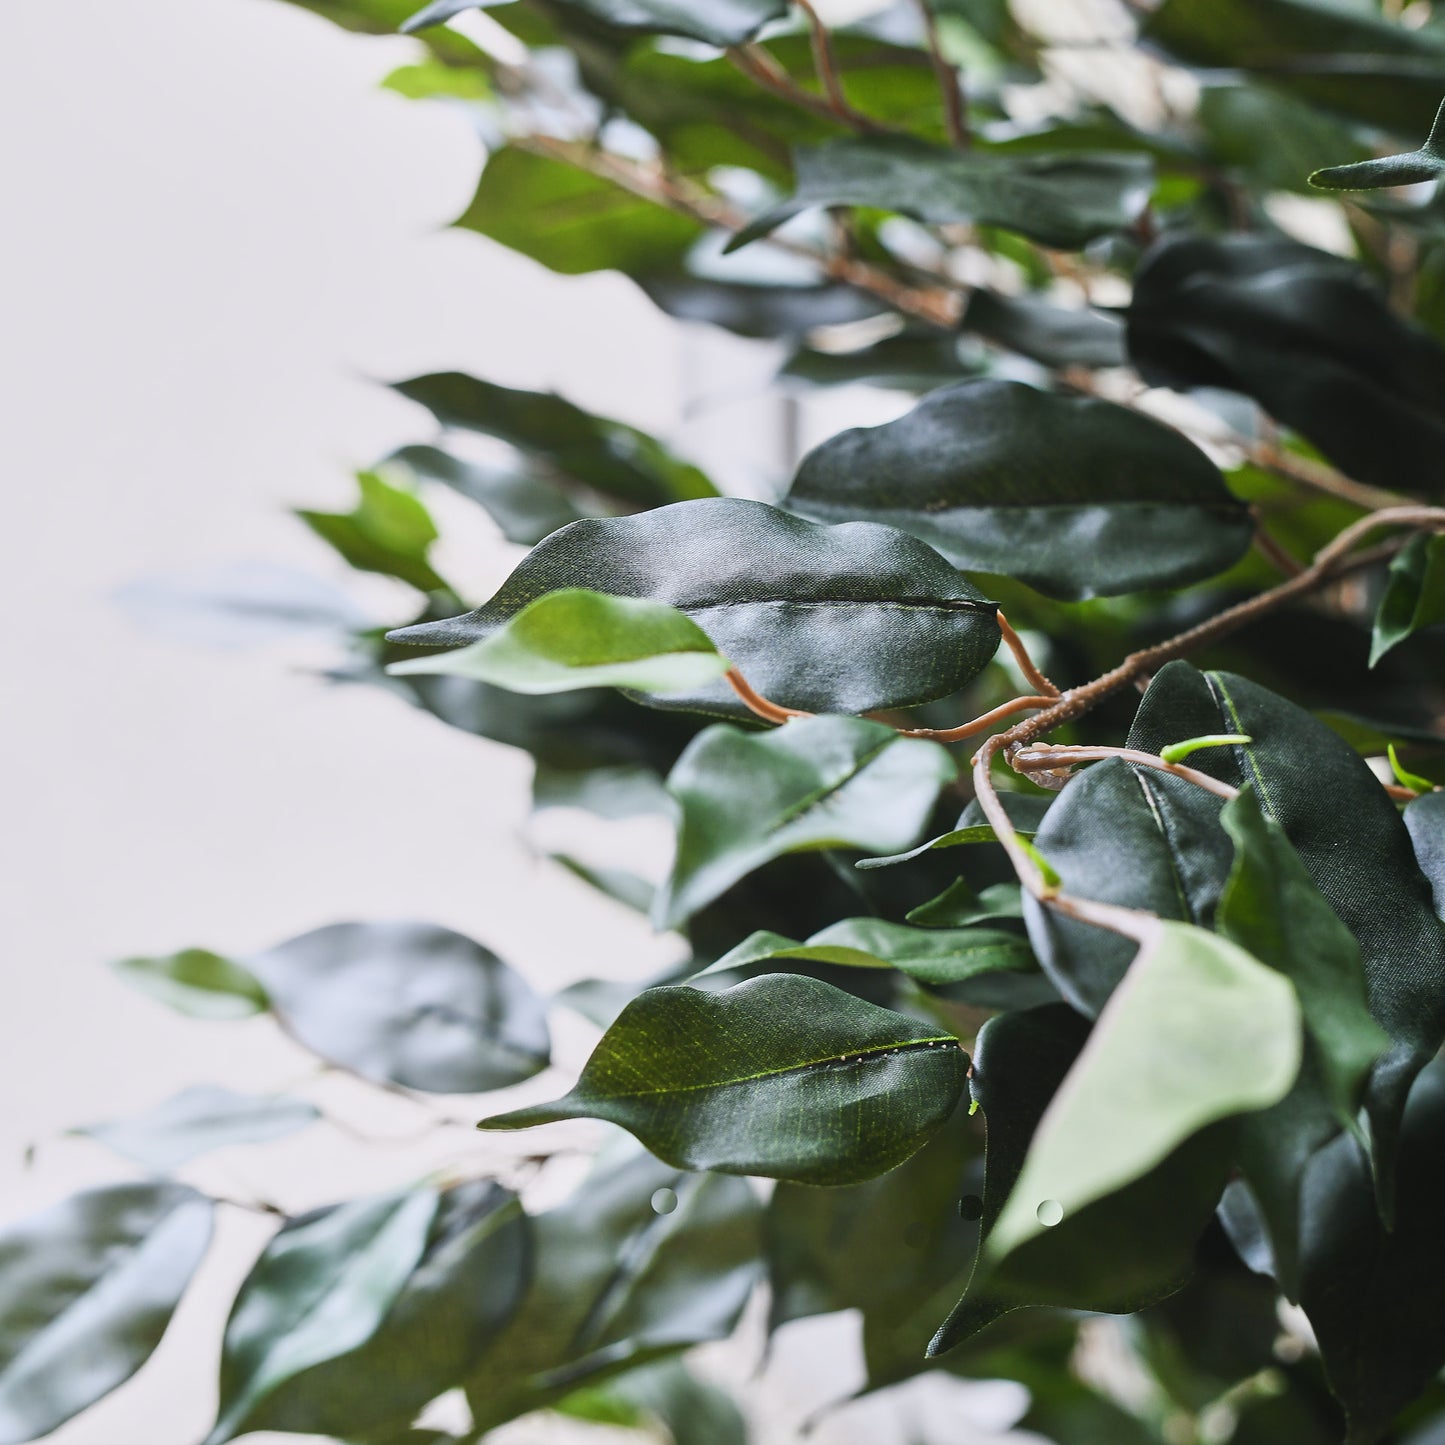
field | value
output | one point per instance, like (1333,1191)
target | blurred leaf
(1075,496)
(758,310)
(1307,336)
(526,505)
(407,1003)
(1344,57)
(1414,594)
(1372,1295)
(665,1395)
(87,1289)
(616,1283)
(388,532)
(322,1288)
(916,360)
(573,638)
(781,1076)
(931,955)
(827,619)
(572,221)
(1054,336)
(199,1119)
(609,457)
(821,782)
(715,22)
(960,906)
(198,983)
(462,1291)
(1063,201)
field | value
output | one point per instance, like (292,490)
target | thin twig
(755,702)
(950,81)
(1027,666)
(1035,757)
(1269,547)
(826,64)
(981,724)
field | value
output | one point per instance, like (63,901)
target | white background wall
(216,229)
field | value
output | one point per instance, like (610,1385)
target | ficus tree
(1058,847)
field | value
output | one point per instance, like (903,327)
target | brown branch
(825,62)
(1015,644)
(755,702)
(1045,757)
(950,81)
(980,724)
(1269,547)
(1319,477)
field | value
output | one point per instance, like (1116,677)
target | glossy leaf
(616,1284)
(1351,841)
(389,531)
(463,1290)
(1372,1294)
(1425,164)
(931,955)
(574,638)
(826,782)
(827,619)
(87,1289)
(1075,496)
(780,1076)
(322,1288)
(407,1003)
(1198,1031)
(1063,200)
(1308,336)
(198,983)
(1414,594)
(576,447)
(572,221)
(1343,57)
(199,1119)
(1127,1250)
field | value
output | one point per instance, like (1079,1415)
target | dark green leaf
(957,838)
(828,619)
(756,310)
(1131,836)
(931,955)
(198,983)
(1117,1255)
(893,1248)
(572,221)
(1198,1031)
(616,1283)
(1054,336)
(527,507)
(664,1395)
(605,456)
(1372,1294)
(960,905)
(1414,594)
(463,1289)
(1060,200)
(573,638)
(389,532)
(781,1076)
(1073,495)
(1343,57)
(1307,336)
(916,360)
(199,1119)
(87,1289)
(407,1003)
(321,1289)
(1351,840)
(824,782)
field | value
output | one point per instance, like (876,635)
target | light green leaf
(781,1076)
(389,531)
(1405,778)
(1425,164)
(198,983)
(824,619)
(1073,495)
(574,638)
(826,782)
(1197,1031)
(199,1119)
(1178,752)
(1414,594)
(87,1289)
(663,1396)
(321,1288)
(931,955)
(1064,200)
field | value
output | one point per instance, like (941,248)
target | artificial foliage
(1054,769)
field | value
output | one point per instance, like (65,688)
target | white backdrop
(217,230)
